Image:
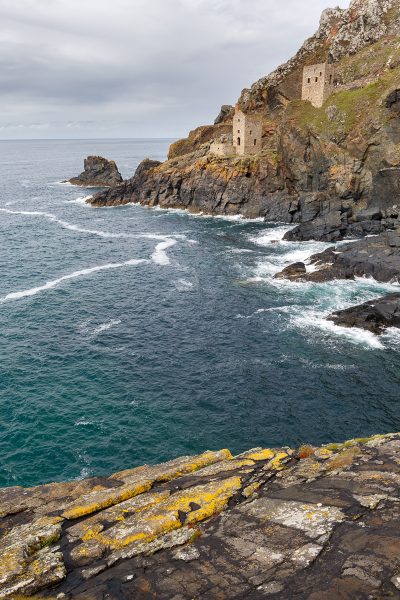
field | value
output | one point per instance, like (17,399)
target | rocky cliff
(98,172)
(313,523)
(328,166)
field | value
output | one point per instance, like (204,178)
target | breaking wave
(56,282)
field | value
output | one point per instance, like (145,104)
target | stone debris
(317,523)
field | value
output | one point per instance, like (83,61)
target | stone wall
(220,148)
(317,83)
(247,133)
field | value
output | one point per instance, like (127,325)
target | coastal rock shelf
(271,523)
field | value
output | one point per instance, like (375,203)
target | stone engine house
(318,83)
(247,133)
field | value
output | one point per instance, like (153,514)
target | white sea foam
(106,326)
(270,235)
(83,421)
(314,321)
(98,232)
(81,200)
(183,285)
(183,211)
(159,255)
(55,282)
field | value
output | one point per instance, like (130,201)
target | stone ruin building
(223,146)
(247,132)
(246,139)
(318,82)
(246,136)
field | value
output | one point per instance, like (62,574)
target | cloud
(135,68)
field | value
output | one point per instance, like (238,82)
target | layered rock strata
(270,523)
(98,172)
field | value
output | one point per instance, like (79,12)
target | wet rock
(292,272)
(375,315)
(375,256)
(98,172)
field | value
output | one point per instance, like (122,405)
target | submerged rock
(98,172)
(375,315)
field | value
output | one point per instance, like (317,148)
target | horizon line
(84,139)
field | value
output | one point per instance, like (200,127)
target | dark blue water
(131,335)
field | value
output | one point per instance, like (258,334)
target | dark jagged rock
(376,315)
(393,100)
(316,523)
(375,256)
(225,112)
(292,272)
(98,172)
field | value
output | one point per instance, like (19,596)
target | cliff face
(309,524)
(328,165)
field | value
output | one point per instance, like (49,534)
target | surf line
(55,282)
(98,232)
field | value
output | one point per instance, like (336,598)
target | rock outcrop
(270,523)
(375,316)
(375,256)
(98,172)
(333,170)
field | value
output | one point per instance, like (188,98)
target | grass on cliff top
(369,62)
(347,110)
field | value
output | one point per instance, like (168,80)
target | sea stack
(98,172)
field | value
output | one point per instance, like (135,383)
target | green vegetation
(347,110)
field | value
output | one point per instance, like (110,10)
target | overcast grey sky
(137,68)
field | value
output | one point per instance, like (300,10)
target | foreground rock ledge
(316,523)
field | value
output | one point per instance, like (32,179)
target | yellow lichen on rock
(199,503)
(226,465)
(265,454)
(250,489)
(175,468)
(99,500)
(278,462)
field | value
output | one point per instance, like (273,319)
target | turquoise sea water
(132,335)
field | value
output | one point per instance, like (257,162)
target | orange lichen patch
(305,451)
(99,500)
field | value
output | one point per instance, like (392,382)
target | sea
(132,335)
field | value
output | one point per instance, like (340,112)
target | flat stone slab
(313,523)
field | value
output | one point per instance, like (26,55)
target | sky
(138,68)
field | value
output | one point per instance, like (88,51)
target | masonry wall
(247,133)
(222,148)
(317,83)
